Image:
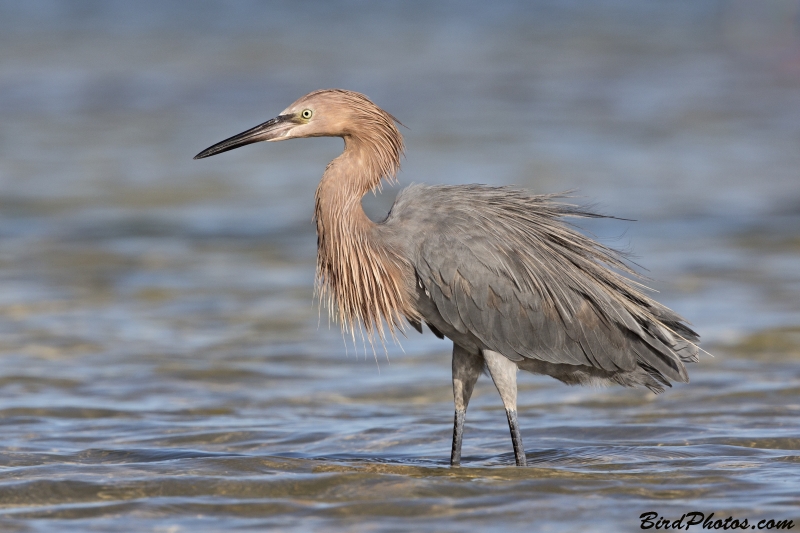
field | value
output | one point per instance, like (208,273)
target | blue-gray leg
(466,369)
(504,375)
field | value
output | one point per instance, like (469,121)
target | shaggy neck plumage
(358,277)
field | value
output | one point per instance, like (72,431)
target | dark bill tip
(263,132)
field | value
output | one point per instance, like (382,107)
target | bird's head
(324,113)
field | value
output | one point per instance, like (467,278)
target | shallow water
(163,366)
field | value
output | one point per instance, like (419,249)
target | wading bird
(494,269)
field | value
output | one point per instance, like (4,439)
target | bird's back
(498,267)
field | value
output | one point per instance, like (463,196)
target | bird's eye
(306,114)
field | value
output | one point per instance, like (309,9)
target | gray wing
(501,265)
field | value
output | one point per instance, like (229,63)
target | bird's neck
(338,210)
(359,275)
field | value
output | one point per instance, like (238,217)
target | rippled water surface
(163,366)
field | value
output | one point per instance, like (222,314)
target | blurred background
(163,365)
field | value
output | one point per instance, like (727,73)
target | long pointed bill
(270,130)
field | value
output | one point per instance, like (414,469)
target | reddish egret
(494,269)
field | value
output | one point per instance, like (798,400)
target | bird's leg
(504,375)
(467,367)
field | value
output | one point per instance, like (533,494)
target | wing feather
(503,267)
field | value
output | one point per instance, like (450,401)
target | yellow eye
(306,114)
